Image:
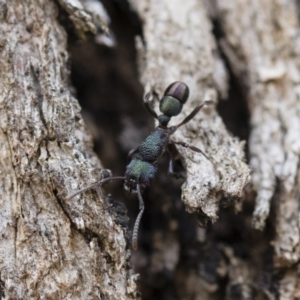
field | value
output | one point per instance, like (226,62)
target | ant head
(171,103)
(130,185)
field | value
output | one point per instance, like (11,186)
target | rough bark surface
(50,248)
(263,51)
(240,50)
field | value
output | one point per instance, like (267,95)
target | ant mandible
(143,167)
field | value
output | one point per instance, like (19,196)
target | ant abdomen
(178,90)
(175,96)
(171,103)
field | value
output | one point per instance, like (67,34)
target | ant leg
(138,219)
(193,113)
(100,182)
(171,167)
(147,102)
(183,144)
(132,151)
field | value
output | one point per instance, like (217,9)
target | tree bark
(266,58)
(51,247)
(245,52)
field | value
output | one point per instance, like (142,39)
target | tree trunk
(51,247)
(241,55)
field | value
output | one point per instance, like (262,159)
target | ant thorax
(153,147)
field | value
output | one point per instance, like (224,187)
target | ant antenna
(147,104)
(100,182)
(138,219)
(193,113)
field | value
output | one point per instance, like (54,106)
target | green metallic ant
(143,165)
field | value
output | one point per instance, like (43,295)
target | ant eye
(178,90)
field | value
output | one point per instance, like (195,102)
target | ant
(143,167)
